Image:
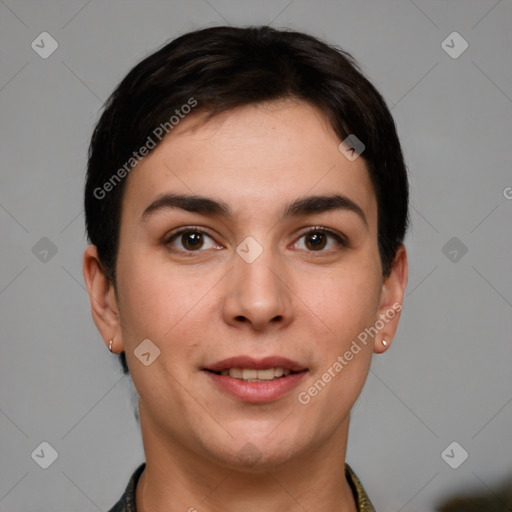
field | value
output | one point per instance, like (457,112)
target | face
(272,275)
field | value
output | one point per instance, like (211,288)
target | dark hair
(221,68)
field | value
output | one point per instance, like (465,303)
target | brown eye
(315,241)
(189,240)
(321,240)
(192,240)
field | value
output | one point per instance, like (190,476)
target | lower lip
(257,391)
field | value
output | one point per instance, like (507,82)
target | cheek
(346,304)
(176,308)
(346,301)
(158,300)
(164,306)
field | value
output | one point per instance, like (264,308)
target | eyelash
(340,239)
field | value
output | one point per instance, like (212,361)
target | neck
(177,479)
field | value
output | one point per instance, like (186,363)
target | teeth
(236,373)
(265,374)
(252,375)
(249,374)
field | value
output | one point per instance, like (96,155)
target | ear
(104,307)
(392,296)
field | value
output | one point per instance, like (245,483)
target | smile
(256,380)
(252,375)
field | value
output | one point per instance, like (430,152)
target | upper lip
(256,363)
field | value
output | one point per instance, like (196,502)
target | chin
(258,452)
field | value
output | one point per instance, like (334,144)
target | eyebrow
(206,206)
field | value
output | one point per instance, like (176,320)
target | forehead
(253,157)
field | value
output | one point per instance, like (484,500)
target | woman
(246,202)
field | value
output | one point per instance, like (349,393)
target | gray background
(448,375)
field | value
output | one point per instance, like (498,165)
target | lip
(256,364)
(256,392)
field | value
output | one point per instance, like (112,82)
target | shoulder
(127,501)
(363,501)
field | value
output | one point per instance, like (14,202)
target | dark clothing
(127,500)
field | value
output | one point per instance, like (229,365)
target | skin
(294,300)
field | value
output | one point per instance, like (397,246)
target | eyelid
(184,229)
(168,237)
(339,237)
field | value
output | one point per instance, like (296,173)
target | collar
(127,501)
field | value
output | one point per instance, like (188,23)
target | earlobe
(393,290)
(102,298)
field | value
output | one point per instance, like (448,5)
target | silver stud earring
(385,343)
(110,346)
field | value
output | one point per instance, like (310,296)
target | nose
(257,294)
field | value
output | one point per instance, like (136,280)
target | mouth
(253,375)
(256,380)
